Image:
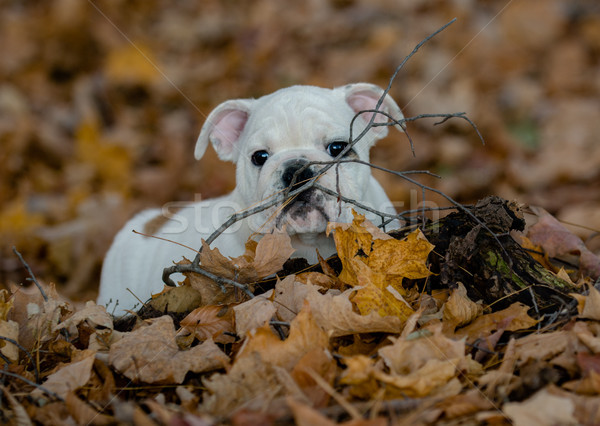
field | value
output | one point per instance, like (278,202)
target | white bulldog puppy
(271,140)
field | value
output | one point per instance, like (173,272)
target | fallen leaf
(271,253)
(321,363)
(251,383)
(209,322)
(150,354)
(542,409)
(558,241)
(289,298)
(183,298)
(459,309)
(69,377)
(407,355)
(335,313)
(378,263)
(433,374)
(254,313)
(513,318)
(9,330)
(95,316)
(591,305)
(305,335)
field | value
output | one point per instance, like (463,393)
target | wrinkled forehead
(301,115)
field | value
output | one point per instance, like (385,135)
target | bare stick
(30,274)
(36,373)
(29,382)
(220,281)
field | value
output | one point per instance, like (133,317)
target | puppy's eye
(260,157)
(335,148)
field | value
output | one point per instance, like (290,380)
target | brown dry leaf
(271,253)
(69,377)
(305,415)
(209,322)
(43,320)
(591,304)
(150,354)
(558,241)
(93,315)
(254,313)
(251,383)
(259,260)
(319,279)
(183,298)
(542,409)
(321,363)
(335,313)
(465,404)
(83,413)
(289,298)
(360,375)
(9,330)
(459,309)
(512,318)
(305,335)
(432,375)
(19,414)
(407,355)
(537,347)
(582,330)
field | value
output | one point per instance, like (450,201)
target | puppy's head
(275,141)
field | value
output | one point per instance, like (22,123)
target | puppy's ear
(364,96)
(223,128)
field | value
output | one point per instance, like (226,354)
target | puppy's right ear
(223,128)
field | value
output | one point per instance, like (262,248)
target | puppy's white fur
(292,125)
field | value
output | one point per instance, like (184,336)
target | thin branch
(289,193)
(29,382)
(30,273)
(220,281)
(36,373)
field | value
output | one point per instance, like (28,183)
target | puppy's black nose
(300,170)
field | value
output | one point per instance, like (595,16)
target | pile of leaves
(368,337)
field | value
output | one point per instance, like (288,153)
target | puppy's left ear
(223,128)
(365,96)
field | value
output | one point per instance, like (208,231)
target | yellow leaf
(132,64)
(378,263)
(377,295)
(110,161)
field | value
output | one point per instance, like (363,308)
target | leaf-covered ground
(377,341)
(101,103)
(100,106)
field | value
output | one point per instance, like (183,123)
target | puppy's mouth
(304,213)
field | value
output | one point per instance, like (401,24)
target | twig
(220,281)
(30,274)
(289,193)
(36,373)
(29,382)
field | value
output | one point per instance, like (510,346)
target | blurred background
(101,102)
